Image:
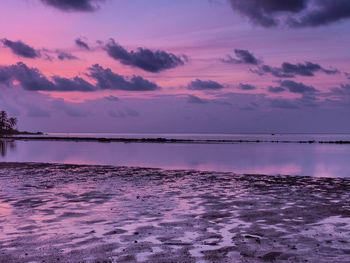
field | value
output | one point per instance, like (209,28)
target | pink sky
(206,32)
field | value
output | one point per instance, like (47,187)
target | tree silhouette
(7,125)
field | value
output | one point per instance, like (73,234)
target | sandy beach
(80,213)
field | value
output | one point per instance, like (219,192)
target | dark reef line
(160,140)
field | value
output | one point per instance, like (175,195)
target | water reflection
(6,145)
(318,160)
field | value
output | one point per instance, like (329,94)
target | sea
(293,158)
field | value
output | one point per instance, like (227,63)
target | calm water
(321,160)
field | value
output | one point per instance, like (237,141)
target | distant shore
(20,133)
(73,213)
(39,137)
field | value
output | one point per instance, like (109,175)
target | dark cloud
(112,98)
(307,69)
(74,5)
(65,56)
(339,96)
(146,59)
(264,12)
(29,78)
(295,87)
(37,112)
(127,112)
(32,79)
(277,72)
(75,84)
(5,75)
(131,112)
(21,49)
(106,79)
(308,100)
(343,90)
(119,114)
(276,89)
(246,87)
(196,100)
(283,104)
(293,13)
(322,12)
(243,57)
(81,43)
(204,85)
(289,70)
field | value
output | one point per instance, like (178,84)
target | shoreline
(160,140)
(99,213)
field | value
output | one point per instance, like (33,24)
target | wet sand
(80,213)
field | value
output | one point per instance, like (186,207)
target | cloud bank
(32,79)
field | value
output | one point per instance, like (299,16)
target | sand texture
(73,213)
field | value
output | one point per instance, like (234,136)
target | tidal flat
(91,213)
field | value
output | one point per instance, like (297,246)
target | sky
(185,66)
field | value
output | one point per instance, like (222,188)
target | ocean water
(316,160)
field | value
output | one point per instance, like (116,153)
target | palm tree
(7,125)
(13,123)
(3,120)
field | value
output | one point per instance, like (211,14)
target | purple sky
(208,66)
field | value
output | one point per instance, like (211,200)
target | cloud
(306,69)
(274,71)
(37,112)
(283,104)
(322,12)
(33,80)
(112,98)
(308,100)
(339,96)
(21,49)
(108,80)
(75,84)
(82,44)
(204,85)
(293,13)
(29,78)
(289,70)
(246,87)
(74,5)
(295,87)
(243,57)
(276,89)
(146,59)
(342,93)
(344,89)
(127,112)
(68,109)
(65,56)
(196,100)
(5,75)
